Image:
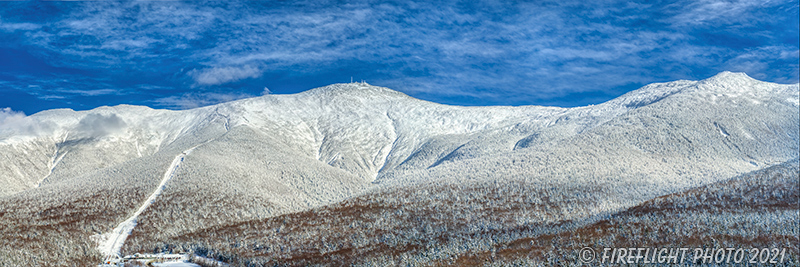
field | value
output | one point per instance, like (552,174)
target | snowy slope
(278,154)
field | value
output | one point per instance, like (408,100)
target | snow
(111,243)
(56,160)
(795,101)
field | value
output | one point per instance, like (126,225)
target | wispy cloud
(194,100)
(752,61)
(443,51)
(221,75)
(716,11)
(10,27)
(97,92)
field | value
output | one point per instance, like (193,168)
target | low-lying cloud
(97,125)
(16,123)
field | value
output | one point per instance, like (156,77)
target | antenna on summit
(351,79)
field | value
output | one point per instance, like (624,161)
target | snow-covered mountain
(279,154)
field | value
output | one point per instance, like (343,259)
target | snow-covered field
(113,171)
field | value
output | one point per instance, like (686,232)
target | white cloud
(97,92)
(16,123)
(127,44)
(9,117)
(97,125)
(754,65)
(195,100)
(570,53)
(705,11)
(51,97)
(221,75)
(10,27)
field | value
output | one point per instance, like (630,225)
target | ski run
(110,243)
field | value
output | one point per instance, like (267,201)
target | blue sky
(178,55)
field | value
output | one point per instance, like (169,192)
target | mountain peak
(727,78)
(731,74)
(356,88)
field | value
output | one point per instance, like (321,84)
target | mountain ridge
(283,154)
(387,107)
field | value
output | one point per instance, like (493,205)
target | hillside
(73,176)
(505,224)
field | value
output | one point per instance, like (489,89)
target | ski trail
(53,165)
(138,151)
(54,161)
(110,243)
(390,147)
